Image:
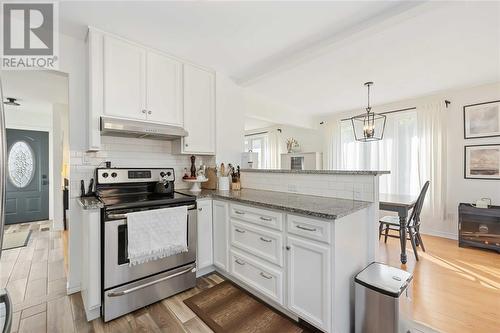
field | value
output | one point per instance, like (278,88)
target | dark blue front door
(27,192)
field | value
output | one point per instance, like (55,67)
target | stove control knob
(169,173)
(114,175)
(105,175)
(162,174)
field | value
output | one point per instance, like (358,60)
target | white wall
(230,121)
(264,108)
(458,188)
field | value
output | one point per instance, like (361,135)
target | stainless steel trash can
(382,300)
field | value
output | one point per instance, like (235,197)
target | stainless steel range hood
(140,129)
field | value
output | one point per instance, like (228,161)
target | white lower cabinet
(204,252)
(220,233)
(291,267)
(261,277)
(309,281)
(91,262)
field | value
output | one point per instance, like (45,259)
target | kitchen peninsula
(295,239)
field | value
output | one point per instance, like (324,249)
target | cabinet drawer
(309,228)
(257,275)
(262,243)
(258,216)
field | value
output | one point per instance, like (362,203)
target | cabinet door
(204,251)
(220,225)
(309,293)
(199,110)
(124,79)
(164,89)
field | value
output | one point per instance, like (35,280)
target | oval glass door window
(21,164)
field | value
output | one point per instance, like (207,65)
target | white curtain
(432,157)
(273,140)
(397,152)
(413,150)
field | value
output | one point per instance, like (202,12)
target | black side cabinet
(479,227)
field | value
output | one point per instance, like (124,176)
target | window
(257,143)
(21,166)
(396,152)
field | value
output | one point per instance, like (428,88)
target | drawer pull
(240,231)
(266,218)
(239,212)
(266,240)
(306,228)
(239,262)
(265,276)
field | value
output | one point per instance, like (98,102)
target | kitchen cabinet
(128,80)
(124,79)
(220,234)
(164,89)
(204,251)
(199,111)
(91,262)
(309,286)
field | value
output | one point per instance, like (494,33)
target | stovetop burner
(145,199)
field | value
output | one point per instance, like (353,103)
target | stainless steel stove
(127,288)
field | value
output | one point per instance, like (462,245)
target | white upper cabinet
(199,111)
(128,80)
(124,79)
(164,89)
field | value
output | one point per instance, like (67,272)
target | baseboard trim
(438,233)
(73,289)
(205,271)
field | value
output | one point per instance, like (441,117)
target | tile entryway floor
(36,279)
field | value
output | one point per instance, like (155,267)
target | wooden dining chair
(391,223)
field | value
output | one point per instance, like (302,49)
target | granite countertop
(321,172)
(88,203)
(314,206)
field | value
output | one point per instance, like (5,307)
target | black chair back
(415,214)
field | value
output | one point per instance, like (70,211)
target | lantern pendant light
(368,126)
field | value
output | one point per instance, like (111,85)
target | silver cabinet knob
(200,209)
(287,248)
(149,112)
(186,145)
(144,111)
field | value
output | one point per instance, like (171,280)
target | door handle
(128,291)
(240,231)
(305,228)
(266,240)
(239,262)
(266,218)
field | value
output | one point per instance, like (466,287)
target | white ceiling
(314,56)
(254,123)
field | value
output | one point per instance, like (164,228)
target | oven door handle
(131,290)
(124,216)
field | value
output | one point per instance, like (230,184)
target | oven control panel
(119,175)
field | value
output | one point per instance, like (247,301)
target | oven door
(116,264)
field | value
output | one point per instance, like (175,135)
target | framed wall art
(482,120)
(482,162)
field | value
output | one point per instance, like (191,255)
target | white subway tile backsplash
(358,187)
(129,152)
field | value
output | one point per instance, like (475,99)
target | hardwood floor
(455,290)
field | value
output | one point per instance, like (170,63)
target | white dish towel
(157,233)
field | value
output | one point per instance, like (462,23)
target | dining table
(401,204)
